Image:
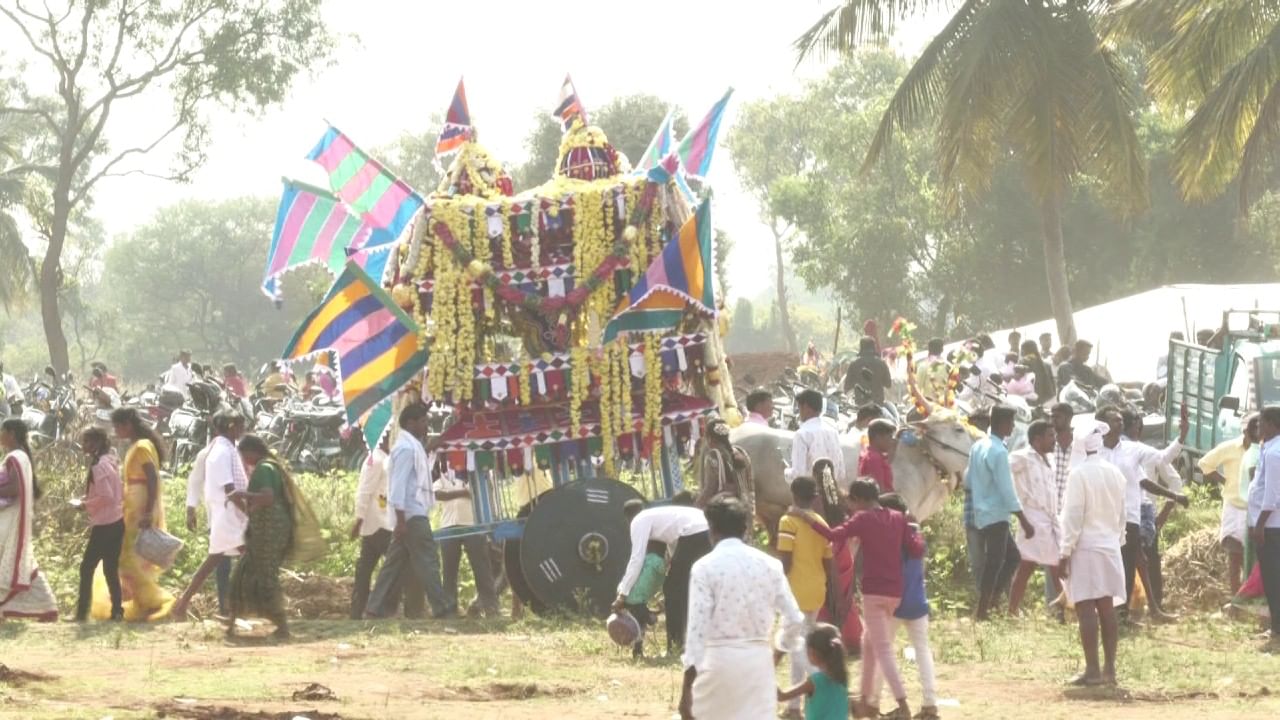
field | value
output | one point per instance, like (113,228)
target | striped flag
(679,278)
(661,144)
(376,342)
(697,147)
(380,198)
(457,124)
(312,226)
(570,106)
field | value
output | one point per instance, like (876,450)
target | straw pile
(1195,572)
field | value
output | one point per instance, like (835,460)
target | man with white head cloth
(1093,529)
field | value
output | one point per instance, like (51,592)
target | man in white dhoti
(1037,490)
(735,595)
(1093,523)
(223,473)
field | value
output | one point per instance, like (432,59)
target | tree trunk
(784,316)
(1055,267)
(50,282)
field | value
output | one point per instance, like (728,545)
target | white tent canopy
(1131,334)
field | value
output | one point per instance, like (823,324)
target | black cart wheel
(576,544)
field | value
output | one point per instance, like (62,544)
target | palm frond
(15,273)
(923,86)
(1261,143)
(988,73)
(1210,150)
(857,22)
(1205,41)
(1112,149)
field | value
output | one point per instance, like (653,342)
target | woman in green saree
(255,582)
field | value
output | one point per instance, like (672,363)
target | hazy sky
(400,61)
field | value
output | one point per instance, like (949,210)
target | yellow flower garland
(652,387)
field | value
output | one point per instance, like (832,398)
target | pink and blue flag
(570,106)
(661,144)
(379,197)
(457,124)
(697,147)
(312,226)
(679,279)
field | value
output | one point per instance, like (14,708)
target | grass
(1203,667)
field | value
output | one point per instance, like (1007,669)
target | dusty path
(541,670)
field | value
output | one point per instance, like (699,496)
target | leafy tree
(1031,79)
(105,53)
(629,122)
(183,280)
(412,157)
(769,145)
(1220,58)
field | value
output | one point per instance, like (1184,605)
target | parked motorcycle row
(307,432)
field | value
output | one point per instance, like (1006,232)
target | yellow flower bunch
(605,370)
(652,387)
(508,256)
(464,358)
(443,315)
(526,390)
(580,372)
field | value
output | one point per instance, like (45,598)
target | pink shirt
(756,418)
(884,536)
(105,497)
(874,465)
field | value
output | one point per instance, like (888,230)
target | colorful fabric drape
(679,277)
(697,147)
(381,199)
(570,106)
(312,226)
(375,341)
(457,124)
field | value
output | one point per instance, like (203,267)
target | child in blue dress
(826,692)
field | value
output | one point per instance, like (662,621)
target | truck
(1222,384)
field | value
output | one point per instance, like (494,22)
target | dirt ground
(536,669)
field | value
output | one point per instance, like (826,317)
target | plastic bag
(157,547)
(308,542)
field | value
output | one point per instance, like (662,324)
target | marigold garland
(652,387)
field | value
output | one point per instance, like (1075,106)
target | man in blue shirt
(990,484)
(413,556)
(1264,518)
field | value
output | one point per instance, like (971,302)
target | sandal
(1083,680)
(927,713)
(896,714)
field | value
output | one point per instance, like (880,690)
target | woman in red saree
(24,593)
(842,607)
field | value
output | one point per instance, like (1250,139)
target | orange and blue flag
(678,279)
(457,124)
(699,144)
(570,106)
(375,342)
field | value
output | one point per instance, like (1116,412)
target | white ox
(924,474)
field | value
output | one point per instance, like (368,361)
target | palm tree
(1223,60)
(1029,80)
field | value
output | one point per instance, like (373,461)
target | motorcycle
(317,439)
(52,412)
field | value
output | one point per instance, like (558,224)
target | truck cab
(1224,384)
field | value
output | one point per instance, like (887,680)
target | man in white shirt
(814,440)
(1264,518)
(1157,465)
(736,594)
(457,511)
(180,374)
(1093,524)
(372,526)
(10,393)
(222,473)
(683,526)
(1127,457)
(1037,491)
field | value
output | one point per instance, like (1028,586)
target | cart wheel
(576,544)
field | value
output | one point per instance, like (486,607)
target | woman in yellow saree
(144,599)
